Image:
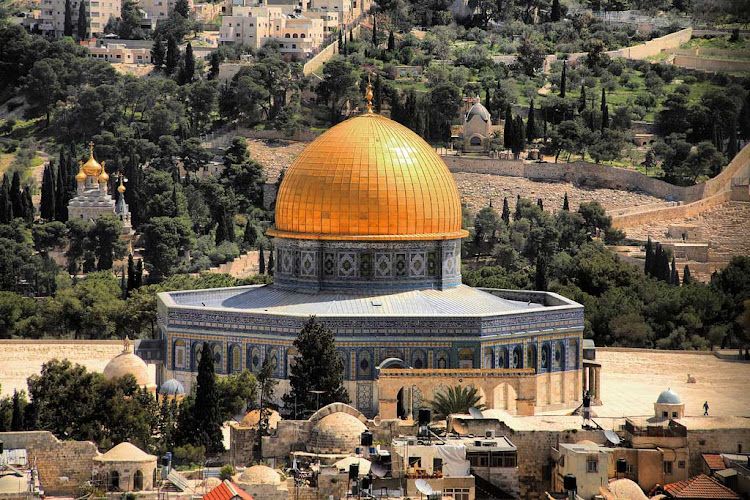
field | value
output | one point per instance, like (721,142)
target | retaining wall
(644,50)
(324,55)
(706,64)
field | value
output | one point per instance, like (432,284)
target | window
(457,493)
(179,354)
(630,469)
(668,467)
(592,466)
(665,414)
(681,464)
(437,465)
(674,414)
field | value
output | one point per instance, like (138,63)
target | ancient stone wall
(324,55)
(63,465)
(644,50)
(652,214)
(715,441)
(710,64)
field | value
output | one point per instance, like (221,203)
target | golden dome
(92,167)
(104,176)
(368,178)
(81,175)
(120,188)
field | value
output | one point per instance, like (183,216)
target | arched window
(291,359)
(294,35)
(287,35)
(197,354)
(138,480)
(253,359)
(558,356)
(179,354)
(475,141)
(545,361)
(443,360)
(418,359)
(345,360)
(302,35)
(502,357)
(576,360)
(216,348)
(516,358)
(235,359)
(466,358)
(364,365)
(531,356)
(489,358)
(273,358)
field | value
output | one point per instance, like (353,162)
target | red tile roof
(226,491)
(700,487)
(714,461)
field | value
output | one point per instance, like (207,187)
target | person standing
(705,408)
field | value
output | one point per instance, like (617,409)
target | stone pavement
(632,380)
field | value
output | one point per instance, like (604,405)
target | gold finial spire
(81,176)
(121,187)
(91,148)
(368,95)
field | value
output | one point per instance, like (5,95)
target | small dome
(125,452)
(172,387)
(336,433)
(104,176)
(260,474)
(478,110)
(669,397)
(121,188)
(81,175)
(252,417)
(128,363)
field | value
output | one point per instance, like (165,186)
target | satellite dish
(475,413)
(378,470)
(612,437)
(423,487)
(460,426)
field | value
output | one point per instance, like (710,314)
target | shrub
(189,455)
(227,472)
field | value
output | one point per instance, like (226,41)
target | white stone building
(98,12)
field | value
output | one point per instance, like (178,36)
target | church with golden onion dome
(92,198)
(367,239)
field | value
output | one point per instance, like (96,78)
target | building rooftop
(714,461)
(227,490)
(702,487)
(125,452)
(267,299)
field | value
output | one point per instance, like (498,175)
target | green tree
(68,23)
(455,399)
(566,204)
(531,55)
(182,8)
(391,42)
(338,86)
(237,392)
(243,175)
(555,14)
(531,130)
(47,205)
(318,366)
(173,55)
(158,52)
(166,243)
(686,278)
(83,23)
(17,422)
(506,211)
(194,156)
(187,70)
(563,77)
(214,65)
(43,88)
(207,413)
(106,242)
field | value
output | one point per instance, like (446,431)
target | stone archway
(504,397)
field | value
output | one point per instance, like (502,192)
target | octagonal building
(367,238)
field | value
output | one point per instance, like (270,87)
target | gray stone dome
(336,433)
(669,397)
(480,110)
(171,387)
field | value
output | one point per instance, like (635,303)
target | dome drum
(346,265)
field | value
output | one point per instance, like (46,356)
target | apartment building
(297,35)
(340,8)
(120,53)
(155,11)
(52,16)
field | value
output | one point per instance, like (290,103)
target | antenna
(475,413)
(612,437)
(460,426)
(423,487)
(378,470)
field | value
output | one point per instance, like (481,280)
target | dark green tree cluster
(657,264)
(15,200)
(318,367)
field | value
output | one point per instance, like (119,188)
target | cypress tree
(540,277)
(270,261)
(188,68)
(251,235)
(351,35)
(61,191)
(555,13)
(123,285)
(664,272)
(158,52)
(261,260)
(648,266)
(508,129)
(517,213)
(744,124)
(173,55)
(566,204)
(674,278)
(131,273)
(563,79)
(582,100)
(374,32)
(138,282)
(207,416)
(686,278)
(215,66)
(83,24)
(28,205)
(540,203)
(17,420)
(377,93)
(47,204)
(341,42)
(68,23)
(530,123)
(605,118)
(16,195)
(6,208)
(519,136)
(391,42)
(506,211)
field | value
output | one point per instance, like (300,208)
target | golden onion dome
(370,179)
(81,175)
(120,188)
(104,176)
(92,167)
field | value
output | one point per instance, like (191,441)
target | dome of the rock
(368,179)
